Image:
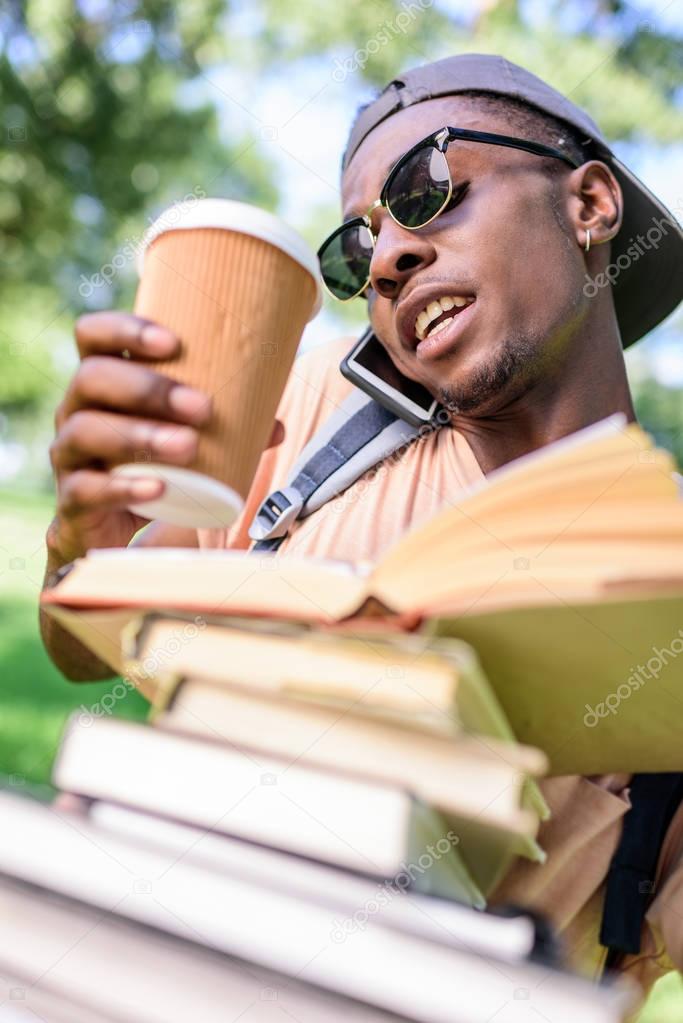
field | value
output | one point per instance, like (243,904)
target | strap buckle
(276,514)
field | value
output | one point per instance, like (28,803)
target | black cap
(648,273)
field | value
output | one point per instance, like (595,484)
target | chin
(492,382)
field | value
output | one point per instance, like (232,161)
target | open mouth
(439,313)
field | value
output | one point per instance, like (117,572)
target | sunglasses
(419,187)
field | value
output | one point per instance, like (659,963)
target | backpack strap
(631,876)
(356,437)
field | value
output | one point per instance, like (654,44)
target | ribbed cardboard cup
(238,286)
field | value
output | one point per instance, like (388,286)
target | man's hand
(116,410)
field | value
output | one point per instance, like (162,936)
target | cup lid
(189,498)
(235,216)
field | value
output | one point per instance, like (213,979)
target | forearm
(73,659)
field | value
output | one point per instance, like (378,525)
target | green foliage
(96,128)
(32,331)
(605,64)
(35,699)
(660,411)
(323,27)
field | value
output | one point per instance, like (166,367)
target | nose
(398,254)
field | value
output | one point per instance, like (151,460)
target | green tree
(660,410)
(604,54)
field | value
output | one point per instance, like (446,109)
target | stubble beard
(506,375)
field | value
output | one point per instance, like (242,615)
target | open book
(564,570)
(591,515)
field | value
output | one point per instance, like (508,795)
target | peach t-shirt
(377,509)
(359,525)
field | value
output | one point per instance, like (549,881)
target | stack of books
(359,754)
(115,914)
(342,764)
(563,570)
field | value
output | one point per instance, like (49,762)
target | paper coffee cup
(238,286)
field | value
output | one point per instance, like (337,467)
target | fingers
(109,383)
(90,437)
(87,491)
(113,333)
(119,410)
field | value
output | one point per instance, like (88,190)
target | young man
(540,256)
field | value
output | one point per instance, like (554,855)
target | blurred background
(112,110)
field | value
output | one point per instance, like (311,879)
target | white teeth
(434,309)
(422,322)
(440,326)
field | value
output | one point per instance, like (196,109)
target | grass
(35,699)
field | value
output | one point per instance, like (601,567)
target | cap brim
(648,278)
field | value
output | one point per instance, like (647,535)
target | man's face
(503,248)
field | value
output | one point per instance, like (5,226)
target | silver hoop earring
(588,240)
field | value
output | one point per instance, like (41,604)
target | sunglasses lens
(345,261)
(419,187)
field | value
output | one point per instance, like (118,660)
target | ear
(596,202)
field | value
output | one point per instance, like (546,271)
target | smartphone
(369,366)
